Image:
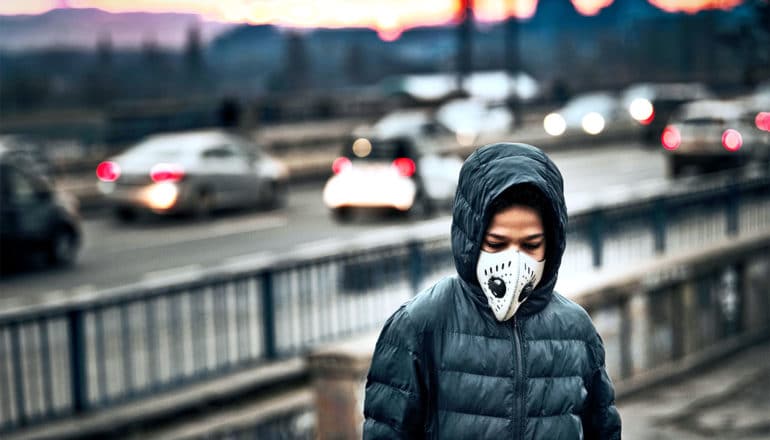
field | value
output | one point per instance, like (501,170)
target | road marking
(152,240)
(173,273)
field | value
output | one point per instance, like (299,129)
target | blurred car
(652,104)
(405,170)
(192,172)
(589,113)
(712,135)
(35,219)
(470,118)
(32,151)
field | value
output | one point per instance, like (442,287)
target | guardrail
(135,342)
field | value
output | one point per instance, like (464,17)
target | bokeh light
(732,140)
(593,123)
(554,124)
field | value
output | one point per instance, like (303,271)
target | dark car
(34,218)
(653,104)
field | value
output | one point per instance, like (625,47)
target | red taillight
(341,164)
(763,121)
(648,120)
(108,171)
(405,166)
(166,172)
(732,140)
(671,139)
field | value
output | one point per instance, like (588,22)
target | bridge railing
(60,360)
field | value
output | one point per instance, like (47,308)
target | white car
(192,172)
(470,118)
(403,173)
(589,113)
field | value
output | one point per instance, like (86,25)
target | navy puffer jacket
(445,368)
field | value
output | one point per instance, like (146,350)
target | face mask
(507,278)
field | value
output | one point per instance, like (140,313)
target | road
(726,400)
(116,254)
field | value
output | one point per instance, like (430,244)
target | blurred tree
(750,40)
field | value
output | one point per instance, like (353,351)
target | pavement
(728,400)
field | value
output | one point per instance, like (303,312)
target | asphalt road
(116,254)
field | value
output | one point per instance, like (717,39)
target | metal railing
(61,360)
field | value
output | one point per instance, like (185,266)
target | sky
(388,16)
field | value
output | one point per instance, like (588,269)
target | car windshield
(378,149)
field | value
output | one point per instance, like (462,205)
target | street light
(512,61)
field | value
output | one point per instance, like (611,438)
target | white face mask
(507,278)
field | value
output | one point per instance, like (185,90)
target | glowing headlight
(640,109)
(161,196)
(466,138)
(554,124)
(593,123)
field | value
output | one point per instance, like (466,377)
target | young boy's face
(518,227)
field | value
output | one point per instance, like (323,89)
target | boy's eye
(531,246)
(495,244)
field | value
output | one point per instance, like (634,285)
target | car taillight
(405,166)
(166,172)
(108,171)
(732,140)
(671,139)
(763,121)
(341,164)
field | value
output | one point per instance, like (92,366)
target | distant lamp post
(465,43)
(512,61)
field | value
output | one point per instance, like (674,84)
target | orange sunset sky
(385,15)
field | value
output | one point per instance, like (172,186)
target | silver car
(711,135)
(192,172)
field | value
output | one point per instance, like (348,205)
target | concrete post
(339,375)
(638,311)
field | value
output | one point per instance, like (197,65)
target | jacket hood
(488,172)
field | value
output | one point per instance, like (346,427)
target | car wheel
(342,215)
(279,193)
(422,208)
(203,205)
(63,247)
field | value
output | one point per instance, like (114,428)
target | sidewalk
(730,400)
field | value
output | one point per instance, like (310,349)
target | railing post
(78,373)
(268,314)
(18,373)
(659,225)
(415,266)
(596,231)
(732,206)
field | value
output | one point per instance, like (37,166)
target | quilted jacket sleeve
(394,402)
(601,419)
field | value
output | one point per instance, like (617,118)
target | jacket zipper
(518,379)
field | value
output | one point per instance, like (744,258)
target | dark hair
(524,194)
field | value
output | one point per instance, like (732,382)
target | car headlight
(641,110)
(593,123)
(554,124)
(161,196)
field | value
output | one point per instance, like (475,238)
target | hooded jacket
(445,368)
